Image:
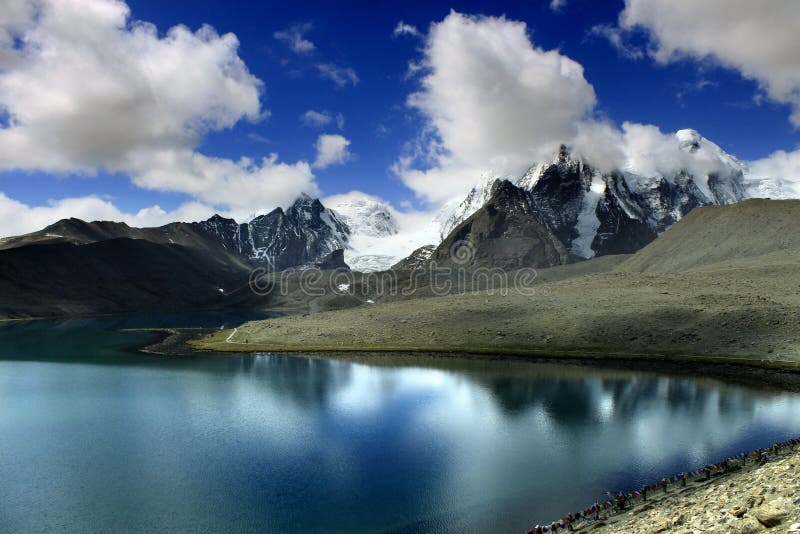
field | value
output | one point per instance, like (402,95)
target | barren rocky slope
(745,310)
(762,231)
(766,499)
(750,314)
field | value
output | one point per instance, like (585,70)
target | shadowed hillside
(748,233)
(113,276)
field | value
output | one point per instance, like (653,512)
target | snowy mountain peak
(689,139)
(306,204)
(452,215)
(528,180)
(707,152)
(563,155)
(365,215)
(371,244)
(593,212)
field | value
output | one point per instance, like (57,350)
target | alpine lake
(98,437)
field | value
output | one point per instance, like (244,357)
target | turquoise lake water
(95,437)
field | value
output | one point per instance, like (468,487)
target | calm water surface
(95,437)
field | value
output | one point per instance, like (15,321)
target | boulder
(770,516)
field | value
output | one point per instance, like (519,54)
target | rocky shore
(766,499)
(760,494)
(173,341)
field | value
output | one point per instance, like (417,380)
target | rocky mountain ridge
(508,232)
(303,234)
(596,213)
(590,212)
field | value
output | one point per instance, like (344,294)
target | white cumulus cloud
(241,187)
(332,149)
(86,89)
(19,218)
(758,39)
(490,99)
(494,104)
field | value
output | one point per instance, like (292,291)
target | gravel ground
(766,499)
(746,314)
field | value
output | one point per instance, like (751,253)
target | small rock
(738,511)
(662,525)
(749,526)
(769,516)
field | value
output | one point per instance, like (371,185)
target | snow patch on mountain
(371,254)
(529,179)
(454,214)
(588,222)
(379,235)
(769,187)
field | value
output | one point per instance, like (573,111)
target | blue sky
(689,92)
(359,35)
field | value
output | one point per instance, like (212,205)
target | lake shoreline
(753,498)
(172,341)
(183,342)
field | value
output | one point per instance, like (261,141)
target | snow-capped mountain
(365,227)
(508,232)
(770,187)
(767,178)
(308,232)
(303,234)
(366,216)
(589,211)
(452,215)
(596,213)
(373,232)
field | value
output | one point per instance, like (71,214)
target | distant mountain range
(303,234)
(559,211)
